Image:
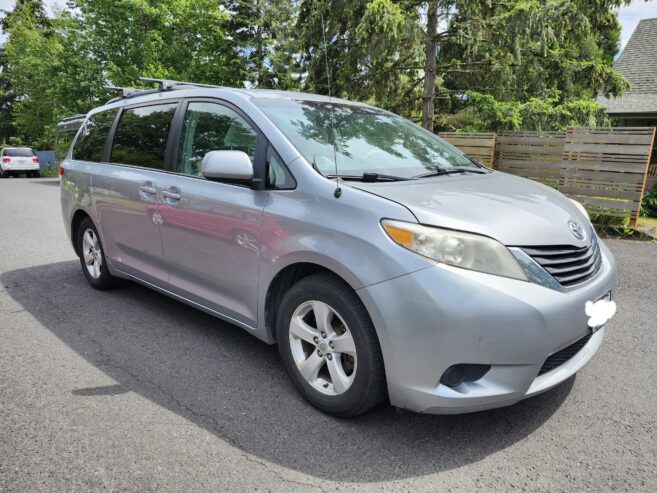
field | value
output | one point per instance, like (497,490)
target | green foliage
(649,204)
(500,65)
(483,111)
(531,64)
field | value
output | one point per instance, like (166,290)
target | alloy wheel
(323,348)
(92,253)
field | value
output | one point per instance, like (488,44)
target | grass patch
(50,172)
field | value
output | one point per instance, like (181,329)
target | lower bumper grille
(560,357)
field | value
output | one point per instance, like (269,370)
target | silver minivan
(383,262)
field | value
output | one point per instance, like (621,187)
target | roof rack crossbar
(125,91)
(163,85)
(168,84)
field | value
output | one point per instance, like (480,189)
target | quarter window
(141,137)
(90,143)
(212,127)
(278,177)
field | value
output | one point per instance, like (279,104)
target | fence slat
(477,145)
(535,155)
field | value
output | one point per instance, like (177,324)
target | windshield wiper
(372,177)
(454,169)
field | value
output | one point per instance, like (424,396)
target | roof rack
(72,118)
(163,85)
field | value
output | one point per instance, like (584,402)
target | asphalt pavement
(130,391)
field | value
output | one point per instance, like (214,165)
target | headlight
(581,208)
(465,250)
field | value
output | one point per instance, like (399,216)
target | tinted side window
(141,137)
(212,127)
(278,176)
(63,139)
(91,140)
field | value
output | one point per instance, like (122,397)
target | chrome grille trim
(568,265)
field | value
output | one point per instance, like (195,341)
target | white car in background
(17,160)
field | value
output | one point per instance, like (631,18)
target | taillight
(35,159)
(61,170)
(6,160)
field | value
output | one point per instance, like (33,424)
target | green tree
(480,65)
(264,34)
(531,64)
(176,39)
(370,51)
(7,94)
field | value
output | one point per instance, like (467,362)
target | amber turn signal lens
(401,236)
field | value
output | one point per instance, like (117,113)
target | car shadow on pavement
(231,384)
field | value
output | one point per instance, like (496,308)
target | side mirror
(227,165)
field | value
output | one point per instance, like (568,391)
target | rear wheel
(92,257)
(329,346)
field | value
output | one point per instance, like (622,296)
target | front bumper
(437,317)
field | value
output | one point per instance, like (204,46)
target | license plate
(600,311)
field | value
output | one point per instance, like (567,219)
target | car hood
(513,210)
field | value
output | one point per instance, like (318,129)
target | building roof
(638,63)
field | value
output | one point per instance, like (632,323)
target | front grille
(568,264)
(560,357)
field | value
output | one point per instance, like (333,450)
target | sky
(629,15)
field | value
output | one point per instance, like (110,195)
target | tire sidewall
(353,317)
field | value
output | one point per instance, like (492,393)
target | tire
(90,249)
(329,385)
(36,174)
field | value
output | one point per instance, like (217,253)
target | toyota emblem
(576,230)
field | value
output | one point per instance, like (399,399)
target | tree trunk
(429,91)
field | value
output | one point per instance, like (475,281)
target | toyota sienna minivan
(383,262)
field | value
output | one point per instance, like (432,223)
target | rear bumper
(20,168)
(432,319)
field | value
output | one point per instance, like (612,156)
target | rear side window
(90,143)
(141,137)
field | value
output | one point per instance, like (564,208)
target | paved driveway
(130,391)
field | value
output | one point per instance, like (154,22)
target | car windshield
(19,152)
(366,140)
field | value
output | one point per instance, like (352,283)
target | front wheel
(329,346)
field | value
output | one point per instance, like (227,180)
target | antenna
(338,191)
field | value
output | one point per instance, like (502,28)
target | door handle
(173,196)
(148,190)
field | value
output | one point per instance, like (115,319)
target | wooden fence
(535,155)
(479,146)
(651,179)
(606,169)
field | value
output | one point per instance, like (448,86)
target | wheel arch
(76,220)
(284,279)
